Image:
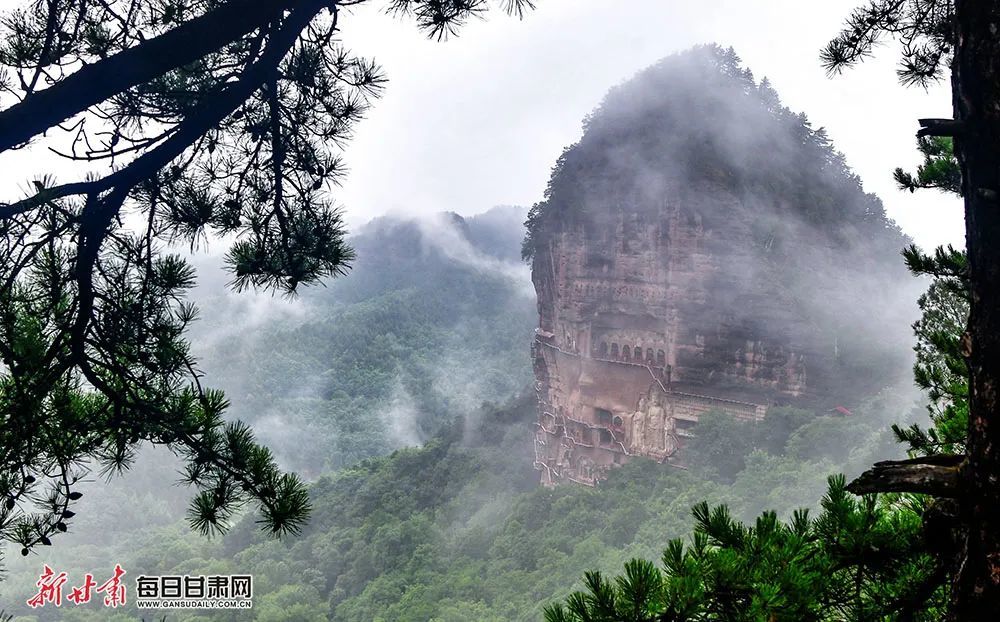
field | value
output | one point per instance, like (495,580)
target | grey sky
(479,120)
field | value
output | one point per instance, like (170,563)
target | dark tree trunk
(976,90)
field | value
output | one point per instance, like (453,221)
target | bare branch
(940,127)
(932,475)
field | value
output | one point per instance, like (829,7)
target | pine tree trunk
(976,91)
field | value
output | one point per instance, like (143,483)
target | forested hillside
(458,530)
(455,530)
(433,320)
(708,376)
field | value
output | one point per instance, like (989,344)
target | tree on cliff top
(205,117)
(700,117)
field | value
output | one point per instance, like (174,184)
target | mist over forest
(431,322)
(402,391)
(706,376)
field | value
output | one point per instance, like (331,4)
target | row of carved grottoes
(629,346)
(629,353)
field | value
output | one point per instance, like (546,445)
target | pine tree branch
(932,475)
(206,116)
(99,212)
(96,83)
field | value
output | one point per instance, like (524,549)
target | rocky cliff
(702,248)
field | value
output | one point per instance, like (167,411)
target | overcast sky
(479,120)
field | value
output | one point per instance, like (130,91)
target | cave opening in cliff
(606,438)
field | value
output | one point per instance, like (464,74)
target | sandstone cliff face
(675,276)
